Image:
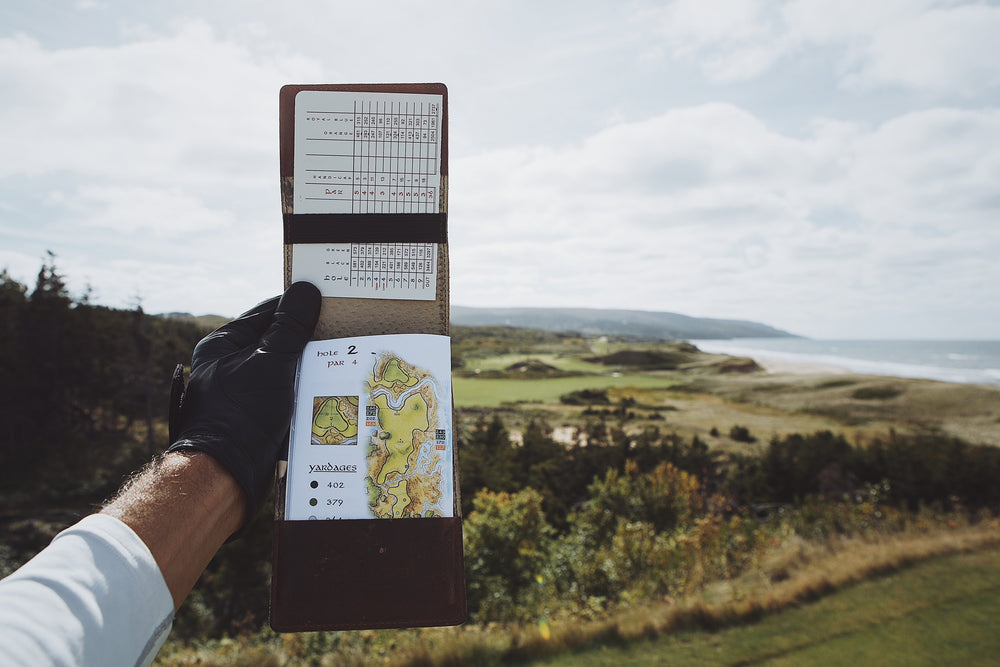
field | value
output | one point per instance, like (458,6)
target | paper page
(371,430)
(367,152)
(368,270)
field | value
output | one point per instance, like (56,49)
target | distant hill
(587,321)
(599,322)
(207,322)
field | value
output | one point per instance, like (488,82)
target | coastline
(798,396)
(958,362)
(773,366)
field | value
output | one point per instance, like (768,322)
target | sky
(828,168)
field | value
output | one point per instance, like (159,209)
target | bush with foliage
(507,543)
(549,528)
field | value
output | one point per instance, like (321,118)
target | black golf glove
(238,404)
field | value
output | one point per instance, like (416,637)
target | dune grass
(924,596)
(563,362)
(494,392)
(800,605)
(940,611)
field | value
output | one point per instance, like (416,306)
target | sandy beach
(791,396)
(785,367)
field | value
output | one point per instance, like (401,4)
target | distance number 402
(335,485)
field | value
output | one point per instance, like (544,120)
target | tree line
(615,514)
(84,389)
(629,517)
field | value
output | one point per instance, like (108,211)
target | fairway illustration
(335,420)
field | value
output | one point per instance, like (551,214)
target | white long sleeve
(94,596)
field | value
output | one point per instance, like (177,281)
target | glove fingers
(294,319)
(243,331)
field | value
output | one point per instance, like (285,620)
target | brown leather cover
(377,573)
(340,318)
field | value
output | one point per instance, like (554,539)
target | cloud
(152,212)
(674,169)
(939,47)
(156,156)
(798,162)
(730,39)
(707,210)
(149,110)
(936,168)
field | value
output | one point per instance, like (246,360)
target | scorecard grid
(381,156)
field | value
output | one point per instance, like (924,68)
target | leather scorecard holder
(364,172)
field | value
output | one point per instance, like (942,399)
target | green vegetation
(85,389)
(731,618)
(937,612)
(668,516)
(882,393)
(470,392)
(471,344)
(560,361)
(647,359)
(614,492)
(741,434)
(586,397)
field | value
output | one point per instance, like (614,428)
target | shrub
(586,397)
(623,533)
(664,498)
(507,542)
(879,393)
(741,434)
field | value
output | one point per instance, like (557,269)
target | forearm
(183,507)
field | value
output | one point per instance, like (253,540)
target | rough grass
(770,404)
(767,405)
(860,406)
(487,392)
(561,361)
(876,393)
(797,572)
(814,571)
(938,611)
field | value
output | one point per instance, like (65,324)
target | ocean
(964,361)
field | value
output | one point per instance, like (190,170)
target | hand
(238,403)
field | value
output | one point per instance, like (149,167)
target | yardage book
(368,528)
(371,430)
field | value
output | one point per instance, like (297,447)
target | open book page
(371,433)
(361,152)
(372,153)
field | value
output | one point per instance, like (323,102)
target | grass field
(702,396)
(864,404)
(929,594)
(494,392)
(563,362)
(938,612)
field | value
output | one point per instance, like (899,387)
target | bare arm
(230,424)
(184,507)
